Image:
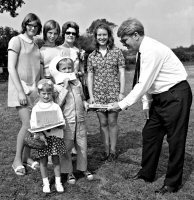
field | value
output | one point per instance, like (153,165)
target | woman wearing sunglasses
(70,33)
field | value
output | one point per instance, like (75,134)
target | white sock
(45,181)
(57,180)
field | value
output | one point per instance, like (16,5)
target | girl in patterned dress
(106,84)
(55,143)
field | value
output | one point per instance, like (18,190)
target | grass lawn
(111,179)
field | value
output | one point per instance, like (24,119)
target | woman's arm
(122,83)
(90,86)
(12,61)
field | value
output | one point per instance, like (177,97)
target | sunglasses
(70,33)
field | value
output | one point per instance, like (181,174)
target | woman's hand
(121,97)
(91,100)
(22,98)
(81,54)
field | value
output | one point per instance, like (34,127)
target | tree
(98,21)
(10,6)
(86,42)
(5,35)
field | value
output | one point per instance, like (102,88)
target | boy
(72,101)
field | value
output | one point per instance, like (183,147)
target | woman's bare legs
(104,130)
(22,153)
(113,130)
(109,133)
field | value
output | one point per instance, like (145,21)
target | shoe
(141,177)
(112,157)
(19,170)
(46,189)
(166,189)
(59,187)
(35,165)
(71,178)
(104,156)
(89,176)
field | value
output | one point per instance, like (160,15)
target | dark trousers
(169,114)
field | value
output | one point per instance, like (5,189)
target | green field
(111,179)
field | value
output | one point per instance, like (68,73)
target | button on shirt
(160,69)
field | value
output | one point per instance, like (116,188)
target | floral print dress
(106,84)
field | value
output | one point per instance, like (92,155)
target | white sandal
(35,165)
(19,170)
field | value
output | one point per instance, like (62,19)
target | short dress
(47,54)
(106,84)
(28,67)
(56,144)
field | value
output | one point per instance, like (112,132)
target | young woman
(24,73)
(51,31)
(106,83)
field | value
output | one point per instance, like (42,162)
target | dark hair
(104,26)
(29,18)
(67,25)
(49,25)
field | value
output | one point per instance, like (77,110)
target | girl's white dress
(56,145)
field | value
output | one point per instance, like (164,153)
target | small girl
(72,101)
(49,50)
(46,112)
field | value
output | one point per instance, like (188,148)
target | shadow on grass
(163,162)
(126,141)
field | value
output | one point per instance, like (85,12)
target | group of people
(37,82)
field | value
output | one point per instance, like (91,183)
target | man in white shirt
(166,97)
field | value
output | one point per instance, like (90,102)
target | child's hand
(86,105)
(66,82)
(41,136)
(60,127)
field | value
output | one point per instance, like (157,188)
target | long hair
(49,25)
(29,18)
(67,25)
(104,26)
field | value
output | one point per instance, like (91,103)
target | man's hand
(146,113)
(114,107)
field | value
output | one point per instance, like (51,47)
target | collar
(23,37)
(97,49)
(143,43)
